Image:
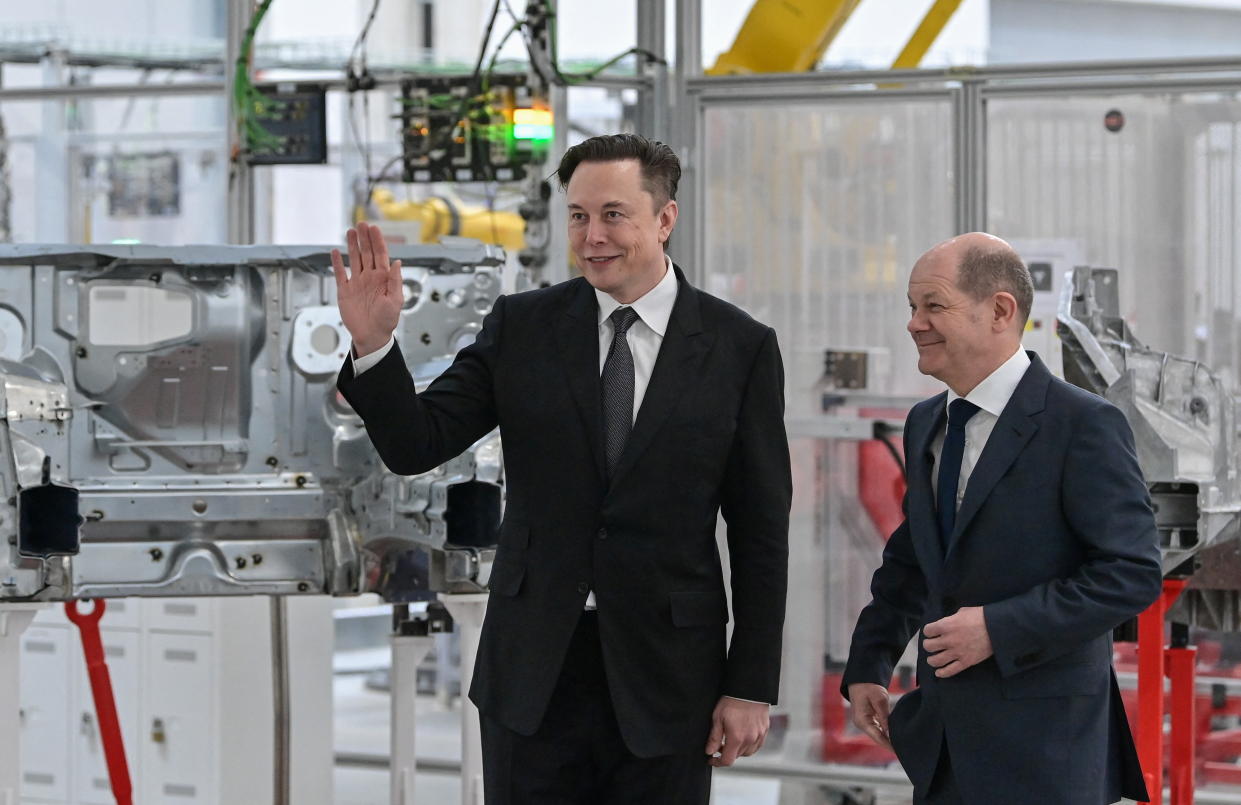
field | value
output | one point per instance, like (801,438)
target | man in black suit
(633,408)
(1028,537)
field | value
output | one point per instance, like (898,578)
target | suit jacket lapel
(676,372)
(919,465)
(1012,431)
(577,334)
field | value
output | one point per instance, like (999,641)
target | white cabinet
(45,702)
(191,678)
(178,751)
(180,614)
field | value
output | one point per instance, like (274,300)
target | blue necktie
(950,468)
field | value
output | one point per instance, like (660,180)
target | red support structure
(1181,762)
(1155,662)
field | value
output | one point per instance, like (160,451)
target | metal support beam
(654,106)
(467,612)
(281,716)
(970,157)
(684,134)
(240,212)
(52,159)
(407,652)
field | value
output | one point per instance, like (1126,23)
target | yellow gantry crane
(790,36)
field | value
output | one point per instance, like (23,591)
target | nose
(917,322)
(595,232)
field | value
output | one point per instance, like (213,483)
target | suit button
(583,587)
(603,533)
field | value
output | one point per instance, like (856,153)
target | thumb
(715,741)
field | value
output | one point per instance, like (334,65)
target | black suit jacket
(709,436)
(1056,540)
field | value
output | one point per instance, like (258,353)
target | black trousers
(577,756)
(943,790)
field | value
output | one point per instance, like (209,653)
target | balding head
(969,300)
(987,265)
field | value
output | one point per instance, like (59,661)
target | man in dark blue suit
(1028,537)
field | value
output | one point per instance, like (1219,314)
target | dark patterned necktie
(617,383)
(950,468)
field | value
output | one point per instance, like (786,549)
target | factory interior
(275,617)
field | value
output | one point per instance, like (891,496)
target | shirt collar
(654,307)
(994,392)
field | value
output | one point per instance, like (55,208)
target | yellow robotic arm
(440,216)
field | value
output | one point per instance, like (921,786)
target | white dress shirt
(991,396)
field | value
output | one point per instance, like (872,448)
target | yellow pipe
(928,31)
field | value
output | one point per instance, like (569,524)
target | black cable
(371,181)
(360,42)
(361,79)
(881,431)
(482,46)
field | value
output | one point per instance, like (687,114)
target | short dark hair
(661,170)
(983,272)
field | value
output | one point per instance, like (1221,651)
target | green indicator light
(530,131)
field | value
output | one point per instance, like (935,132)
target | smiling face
(617,229)
(955,333)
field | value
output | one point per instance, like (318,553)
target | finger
(381,248)
(934,629)
(880,717)
(394,279)
(934,644)
(951,669)
(941,659)
(338,268)
(355,251)
(753,746)
(729,755)
(367,249)
(879,736)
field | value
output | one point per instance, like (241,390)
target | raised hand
(370,295)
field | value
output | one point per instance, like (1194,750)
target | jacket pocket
(698,608)
(1056,679)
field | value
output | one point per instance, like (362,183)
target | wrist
(364,347)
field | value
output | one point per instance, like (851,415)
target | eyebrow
(574,206)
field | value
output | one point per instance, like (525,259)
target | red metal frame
(1156,660)
(105,704)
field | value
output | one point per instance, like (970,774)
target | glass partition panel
(812,213)
(1145,183)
